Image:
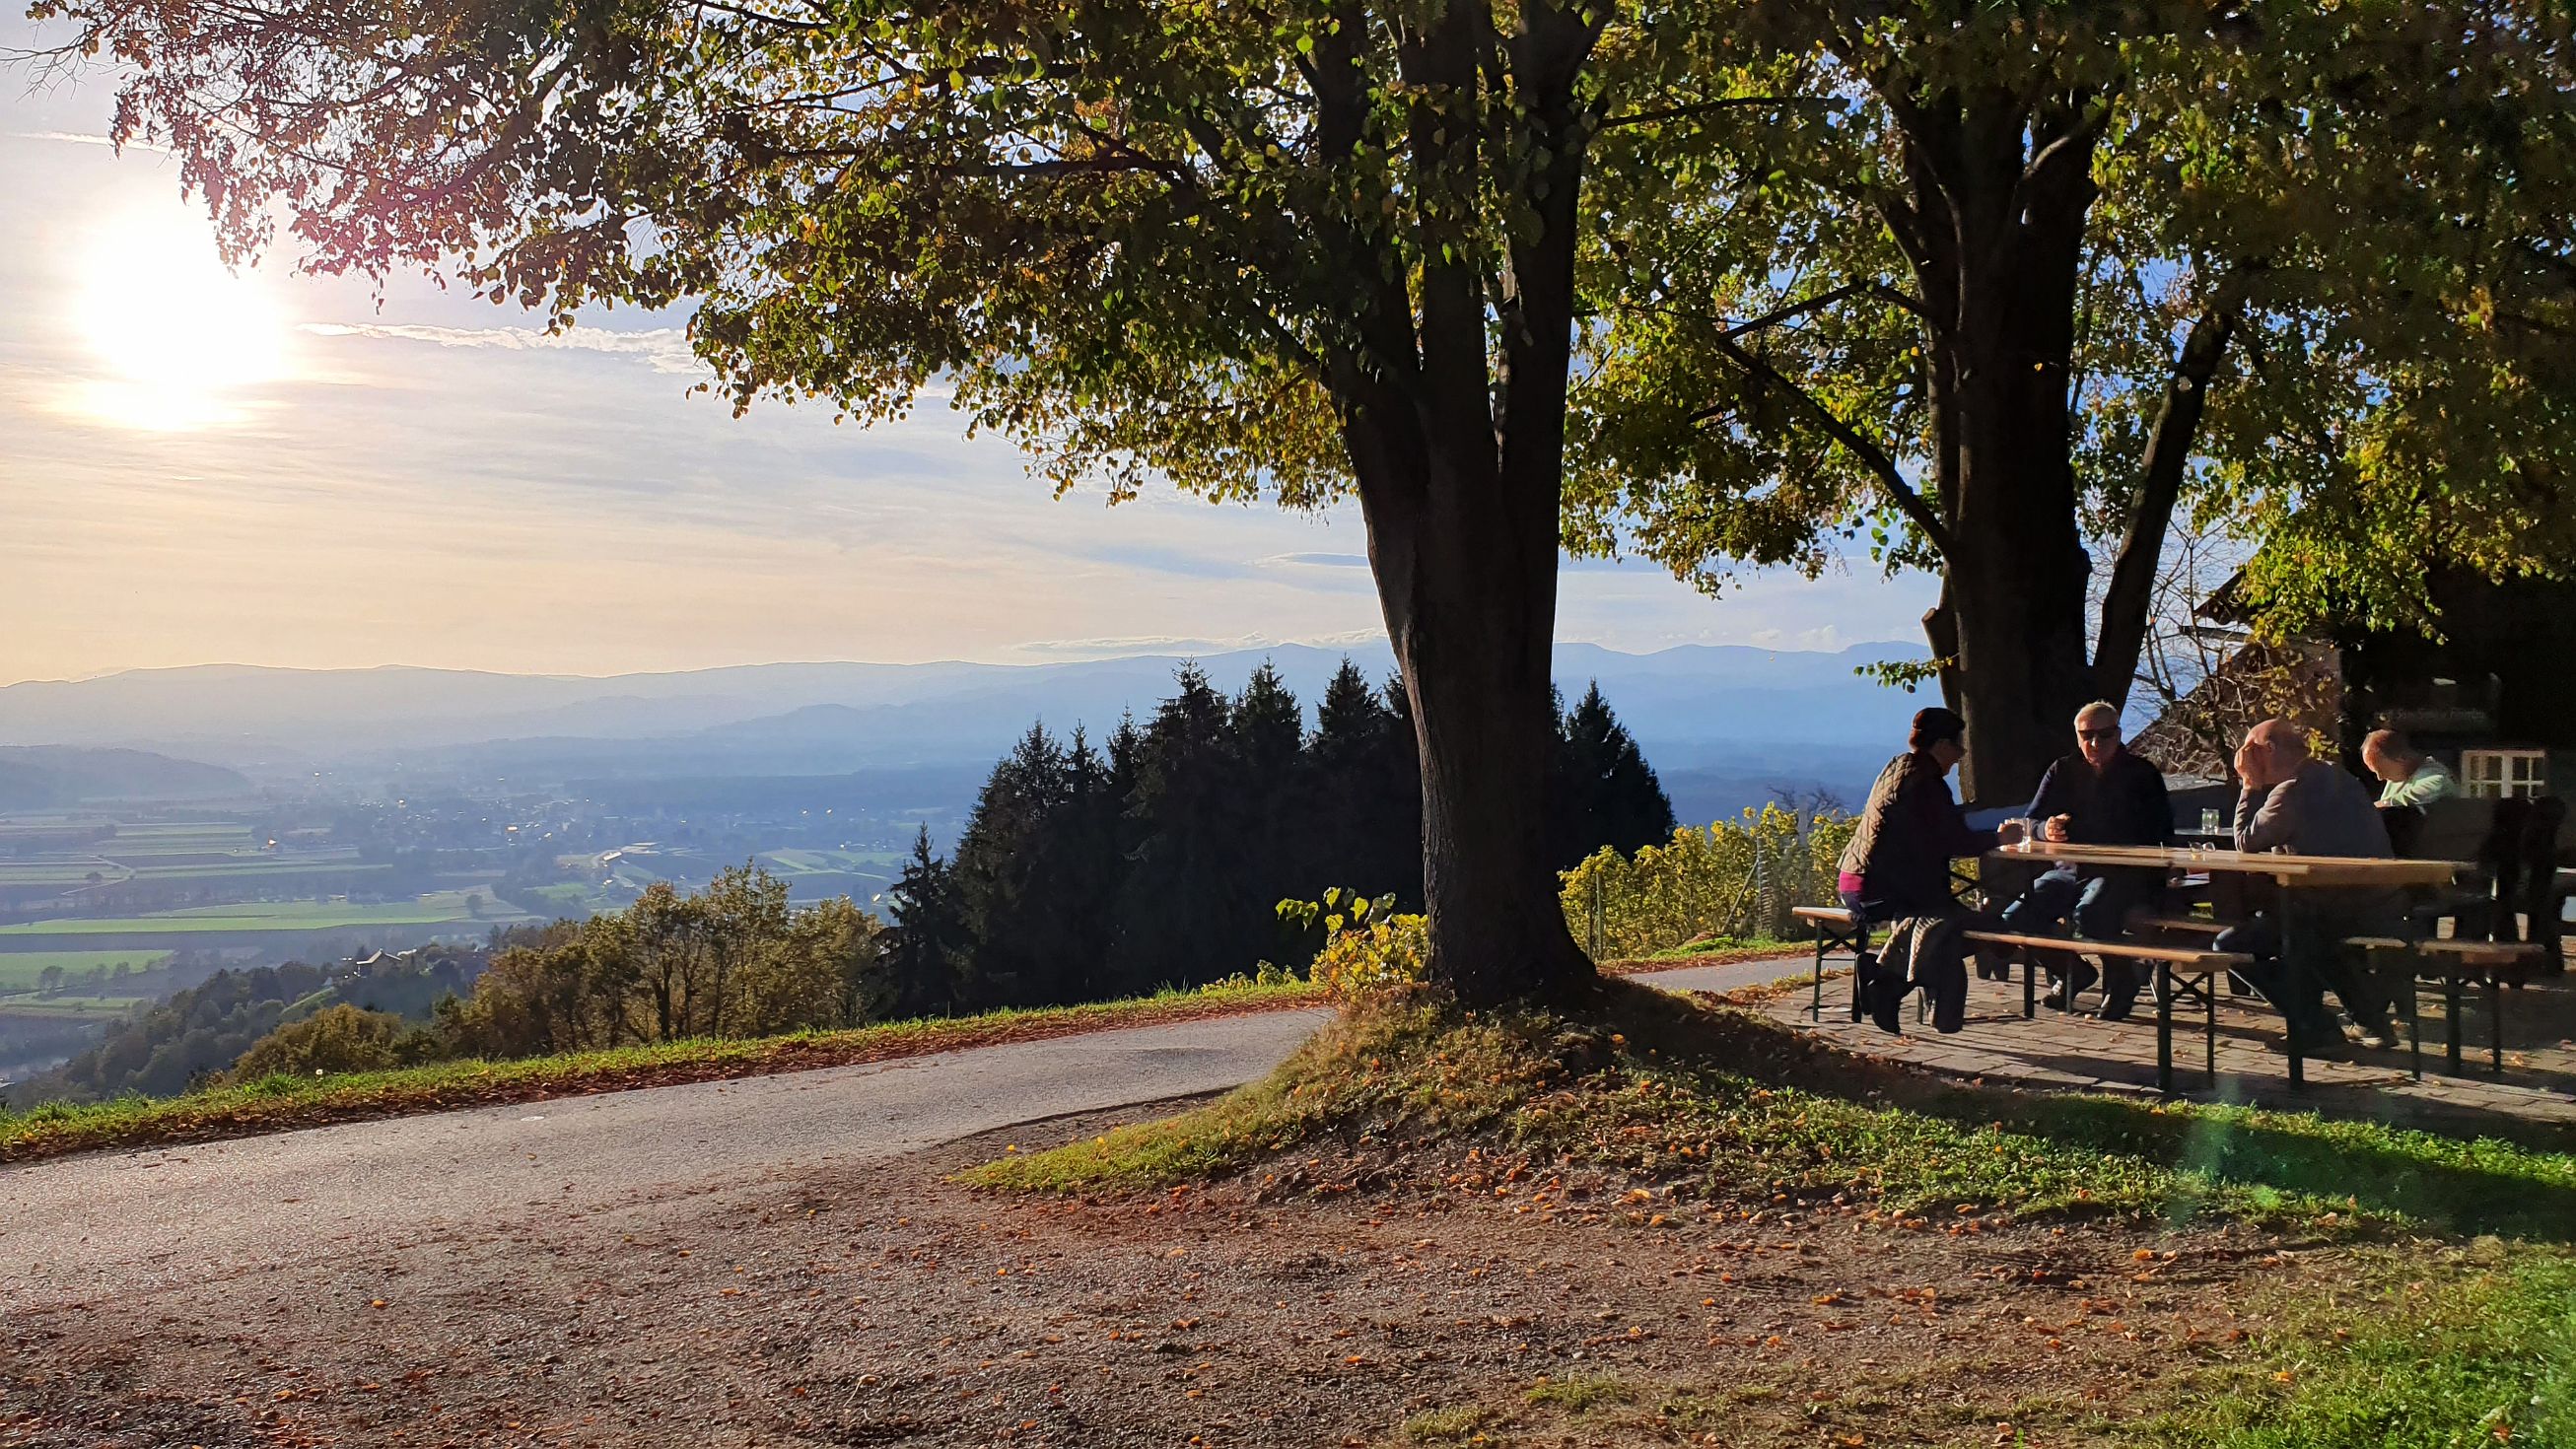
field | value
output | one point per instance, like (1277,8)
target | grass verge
(1690,1099)
(280,1103)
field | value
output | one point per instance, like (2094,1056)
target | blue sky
(281,470)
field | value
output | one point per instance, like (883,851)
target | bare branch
(1890,480)
(1710,108)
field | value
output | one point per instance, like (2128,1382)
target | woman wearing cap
(1898,863)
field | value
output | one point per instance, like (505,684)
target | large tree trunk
(2015,582)
(1459,454)
(1470,599)
(1999,261)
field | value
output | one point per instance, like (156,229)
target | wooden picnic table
(2289,870)
(2293,872)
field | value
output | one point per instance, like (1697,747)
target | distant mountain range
(1733,714)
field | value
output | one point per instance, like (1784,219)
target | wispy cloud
(1316,560)
(84,138)
(666,349)
(1826,639)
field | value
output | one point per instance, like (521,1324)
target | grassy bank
(1694,1101)
(281,1103)
(2429,1347)
(2441,1311)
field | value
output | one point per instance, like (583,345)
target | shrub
(1736,879)
(334,1040)
(1367,946)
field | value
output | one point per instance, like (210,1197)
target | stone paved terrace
(2537,1089)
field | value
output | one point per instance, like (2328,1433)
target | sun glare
(178,339)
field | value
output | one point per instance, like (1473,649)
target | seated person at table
(2100,795)
(1898,863)
(2409,781)
(2408,776)
(2297,804)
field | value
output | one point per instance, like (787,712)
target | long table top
(2289,870)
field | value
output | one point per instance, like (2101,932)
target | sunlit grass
(1718,1101)
(278,1103)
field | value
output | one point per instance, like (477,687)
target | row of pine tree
(1158,857)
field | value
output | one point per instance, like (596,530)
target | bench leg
(1816,1002)
(2209,1028)
(2291,974)
(2495,1027)
(2414,1027)
(2164,1027)
(2029,986)
(2451,1027)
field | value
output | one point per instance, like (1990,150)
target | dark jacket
(2122,804)
(2321,810)
(1909,832)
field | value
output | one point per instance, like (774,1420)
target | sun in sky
(178,341)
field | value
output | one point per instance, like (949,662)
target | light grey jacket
(2321,810)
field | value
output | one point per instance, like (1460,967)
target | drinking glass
(2209,820)
(2029,832)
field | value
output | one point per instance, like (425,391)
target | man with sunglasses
(2100,795)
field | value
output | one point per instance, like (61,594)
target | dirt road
(767,1261)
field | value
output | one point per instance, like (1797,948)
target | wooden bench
(1837,929)
(2454,963)
(2179,925)
(2492,964)
(2192,926)
(2172,965)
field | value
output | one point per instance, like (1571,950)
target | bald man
(2297,804)
(2100,795)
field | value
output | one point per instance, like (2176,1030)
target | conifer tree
(1404,764)
(1601,790)
(1362,805)
(1005,876)
(1085,867)
(1182,899)
(1271,808)
(928,935)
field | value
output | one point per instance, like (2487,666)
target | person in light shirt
(2408,777)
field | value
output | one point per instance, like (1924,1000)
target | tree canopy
(1983,280)
(1992,283)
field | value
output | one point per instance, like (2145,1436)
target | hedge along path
(282,1104)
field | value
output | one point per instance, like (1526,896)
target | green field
(183,830)
(430,910)
(73,1006)
(833,862)
(57,872)
(255,867)
(19,969)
